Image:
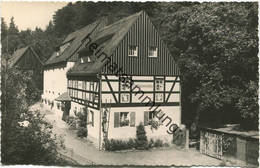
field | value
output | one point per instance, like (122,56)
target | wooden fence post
(187,139)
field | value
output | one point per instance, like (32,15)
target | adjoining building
(26,59)
(123,78)
(56,67)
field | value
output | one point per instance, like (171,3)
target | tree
(26,137)
(141,138)
(13,29)
(216,48)
(248,105)
(4,29)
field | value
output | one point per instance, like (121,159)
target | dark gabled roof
(77,39)
(63,97)
(18,54)
(116,32)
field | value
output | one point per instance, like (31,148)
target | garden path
(84,152)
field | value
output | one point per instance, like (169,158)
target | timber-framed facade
(123,80)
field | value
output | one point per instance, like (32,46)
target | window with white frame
(151,117)
(62,48)
(153,50)
(124,86)
(86,86)
(80,84)
(132,50)
(159,84)
(91,86)
(124,119)
(125,97)
(91,118)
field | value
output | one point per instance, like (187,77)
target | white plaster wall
(130,132)
(92,131)
(55,82)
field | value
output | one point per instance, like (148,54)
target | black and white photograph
(121,83)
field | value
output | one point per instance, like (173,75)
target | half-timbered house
(124,77)
(26,59)
(55,68)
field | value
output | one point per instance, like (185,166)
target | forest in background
(214,44)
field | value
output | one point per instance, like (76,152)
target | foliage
(30,143)
(82,132)
(114,144)
(157,143)
(72,122)
(43,42)
(154,124)
(216,46)
(124,123)
(141,138)
(82,117)
(229,144)
(248,106)
(82,120)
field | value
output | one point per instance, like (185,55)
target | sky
(30,14)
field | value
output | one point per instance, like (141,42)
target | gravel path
(85,153)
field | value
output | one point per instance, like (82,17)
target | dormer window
(153,50)
(62,48)
(132,50)
(85,59)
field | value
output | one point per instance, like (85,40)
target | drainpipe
(100,115)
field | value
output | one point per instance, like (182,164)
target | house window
(159,97)
(81,60)
(83,85)
(91,86)
(91,118)
(75,111)
(125,86)
(80,84)
(63,47)
(92,97)
(151,117)
(86,86)
(124,119)
(152,51)
(125,97)
(159,84)
(132,50)
(84,96)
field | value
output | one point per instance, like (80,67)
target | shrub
(82,116)
(154,124)
(151,143)
(248,107)
(82,132)
(158,143)
(166,144)
(114,144)
(72,122)
(141,138)
(131,143)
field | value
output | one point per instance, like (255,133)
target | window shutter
(88,113)
(132,119)
(116,119)
(92,119)
(146,118)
